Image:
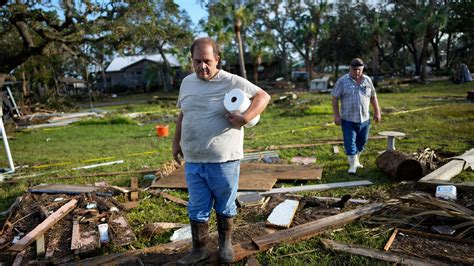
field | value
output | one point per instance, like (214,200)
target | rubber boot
(356,161)
(225,227)
(352,166)
(200,234)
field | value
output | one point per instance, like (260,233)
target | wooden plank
(44,226)
(169,197)
(255,177)
(76,235)
(318,187)
(134,186)
(377,254)
(449,170)
(121,234)
(130,205)
(464,187)
(306,145)
(62,189)
(391,239)
(19,258)
(308,230)
(40,248)
(282,215)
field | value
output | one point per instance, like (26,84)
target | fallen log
(400,165)
(377,254)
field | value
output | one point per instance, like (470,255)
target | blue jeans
(355,136)
(212,185)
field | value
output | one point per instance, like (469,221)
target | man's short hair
(208,41)
(357,62)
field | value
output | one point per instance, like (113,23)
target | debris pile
(64,226)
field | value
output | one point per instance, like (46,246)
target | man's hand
(337,120)
(177,153)
(236,119)
(377,117)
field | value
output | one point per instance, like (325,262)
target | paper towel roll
(236,100)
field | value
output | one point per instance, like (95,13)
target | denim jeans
(355,136)
(212,185)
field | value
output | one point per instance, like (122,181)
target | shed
(319,84)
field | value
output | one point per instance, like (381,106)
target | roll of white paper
(236,100)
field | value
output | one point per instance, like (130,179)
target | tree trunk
(167,70)
(400,165)
(375,63)
(237,25)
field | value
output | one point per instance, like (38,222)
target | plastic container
(104,233)
(162,130)
(447,192)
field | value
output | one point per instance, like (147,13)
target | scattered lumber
(377,254)
(318,187)
(311,229)
(449,170)
(282,215)
(44,226)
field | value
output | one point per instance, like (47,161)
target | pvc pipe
(7,147)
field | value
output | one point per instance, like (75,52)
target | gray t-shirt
(206,135)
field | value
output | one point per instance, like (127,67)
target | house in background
(139,73)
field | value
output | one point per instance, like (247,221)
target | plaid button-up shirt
(355,99)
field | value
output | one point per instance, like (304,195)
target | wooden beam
(311,229)
(377,254)
(318,187)
(44,226)
(40,248)
(134,186)
(449,170)
(391,239)
(168,196)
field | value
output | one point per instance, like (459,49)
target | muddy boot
(356,161)
(225,227)
(352,166)
(200,234)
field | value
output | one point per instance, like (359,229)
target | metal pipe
(7,147)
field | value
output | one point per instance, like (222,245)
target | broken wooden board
(62,189)
(134,186)
(255,177)
(449,170)
(168,196)
(282,215)
(83,241)
(121,233)
(308,230)
(44,226)
(377,254)
(250,199)
(318,187)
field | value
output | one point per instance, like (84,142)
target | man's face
(356,72)
(205,62)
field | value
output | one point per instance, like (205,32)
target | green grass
(438,116)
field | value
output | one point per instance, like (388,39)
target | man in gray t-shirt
(211,142)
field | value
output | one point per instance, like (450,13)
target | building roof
(121,62)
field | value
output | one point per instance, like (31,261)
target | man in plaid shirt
(355,91)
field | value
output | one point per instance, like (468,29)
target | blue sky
(193,8)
